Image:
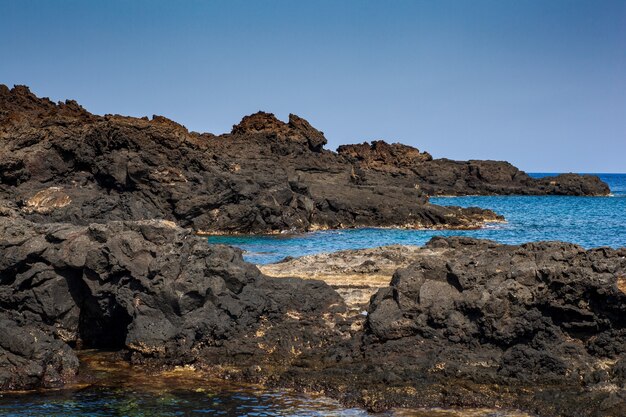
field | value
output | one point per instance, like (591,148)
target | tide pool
(587,221)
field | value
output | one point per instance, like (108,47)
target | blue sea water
(587,221)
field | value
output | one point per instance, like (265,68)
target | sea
(587,221)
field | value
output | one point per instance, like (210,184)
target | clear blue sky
(539,83)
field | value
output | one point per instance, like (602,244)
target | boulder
(530,318)
(152,289)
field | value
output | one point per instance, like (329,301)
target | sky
(541,84)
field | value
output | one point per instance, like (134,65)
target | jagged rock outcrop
(466,322)
(474,177)
(541,296)
(297,130)
(59,163)
(531,318)
(380,155)
(148,287)
(30,357)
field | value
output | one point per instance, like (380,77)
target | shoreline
(106,370)
(458,322)
(462,322)
(289,233)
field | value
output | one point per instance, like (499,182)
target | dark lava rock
(447,177)
(90,256)
(539,327)
(151,288)
(31,358)
(530,318)
(59,163)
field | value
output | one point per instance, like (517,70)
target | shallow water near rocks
(108,386)
(109,402)
(587,221)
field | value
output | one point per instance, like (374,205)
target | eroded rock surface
(151,288)
(467,322)
(60,163)
(30,357)
(92,255)
(549,296)
(474,177)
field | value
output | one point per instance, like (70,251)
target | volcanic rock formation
(149,287)
(92,254)
(540,326)
(447,177)
(59,163)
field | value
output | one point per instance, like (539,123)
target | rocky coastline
(467,323)
(99,249)
(60,163)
